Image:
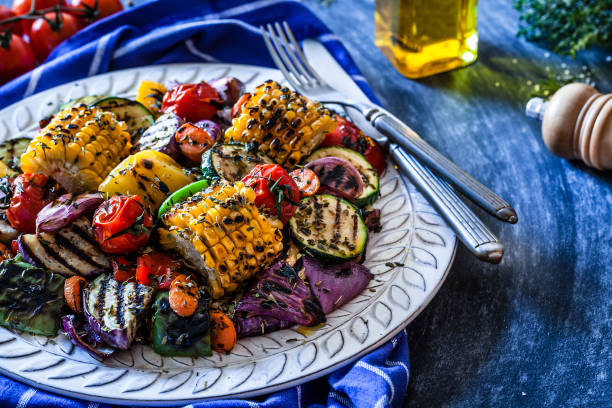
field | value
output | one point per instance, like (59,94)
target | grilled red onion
(338,177)
(210,127)
(70,326)
(228,88)
(61,212)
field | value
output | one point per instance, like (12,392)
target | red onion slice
(69,326)
(61,212)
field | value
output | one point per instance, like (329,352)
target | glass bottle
(426,37)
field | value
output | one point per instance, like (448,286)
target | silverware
(469,228)
(289,58)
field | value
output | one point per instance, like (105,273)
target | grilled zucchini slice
(231,162)
(326,226)
(83,100)
(135,115)
(11,151)
(369,175)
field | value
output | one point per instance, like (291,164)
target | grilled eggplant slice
(71,250)
(327,226)
(231,162)
(115,309)
(160,136)
(31,299)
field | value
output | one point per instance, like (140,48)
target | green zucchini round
(231,161)
(135,115)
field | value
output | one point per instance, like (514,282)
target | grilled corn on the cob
(284,124)
(78,148)
(221,232)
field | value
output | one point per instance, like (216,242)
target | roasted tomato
(15,59)
(156,267)
(122,224)
(31,192)
(105,7)
(5,13)
(21,7)
(124,268)
(274,189)
(193,141)
(347,134)
(192,102)
(48,33)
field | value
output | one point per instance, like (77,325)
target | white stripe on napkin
(93,405)
(194,50)
(246,8)
(34,78)
(380,373)
(343,399)
(328,37)
(382,402)
(401,364)
(97,58)
(25,398)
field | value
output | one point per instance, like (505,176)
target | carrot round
(73,292)
(183,296)
(222,332)
(306,180)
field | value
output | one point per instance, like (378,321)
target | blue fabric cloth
(213,31)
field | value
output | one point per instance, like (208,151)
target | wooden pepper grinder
(577,124)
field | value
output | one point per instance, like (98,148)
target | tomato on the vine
(5,13)
(31,192)
(122,224)
(21,7)
(105,7)
(48,33)
(15,59)
(192,102)
(155,267)
(274,189)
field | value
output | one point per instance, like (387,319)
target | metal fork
(289,58)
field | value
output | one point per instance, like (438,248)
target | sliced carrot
(73,292)
(238,105)
(193,141)
(306,180)
(183,295)
(222,332)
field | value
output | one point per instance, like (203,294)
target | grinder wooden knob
(577,124)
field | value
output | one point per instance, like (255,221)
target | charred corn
(78,148)
(221,232)
(284,124)
(150,94)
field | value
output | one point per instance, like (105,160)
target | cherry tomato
(31,192)
(5,13)
(21,7)
(193,141)
(122,224)
(183,296)
(306,180)
(15,60)
(15,247)
(192,102)
(124,269)
(44,37)
(347,134)
(105,7)
(274,189)
(156,267)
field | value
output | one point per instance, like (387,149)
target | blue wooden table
(535,330)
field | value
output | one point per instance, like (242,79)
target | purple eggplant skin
(338,177)
(213,129)
(280,293)
(229,89)
(65,209)
(247,325)
(335,284)
(160,136)
(95,346)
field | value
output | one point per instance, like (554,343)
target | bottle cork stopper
(577,124)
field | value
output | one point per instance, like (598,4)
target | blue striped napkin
(162,32)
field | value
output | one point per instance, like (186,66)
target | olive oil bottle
(426,37)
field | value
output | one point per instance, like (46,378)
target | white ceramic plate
(413,236)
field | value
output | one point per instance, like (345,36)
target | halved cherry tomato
(192,102)
(238,105)
(31,192)
(16,59)
(156,268)
(183,296)
(124,269)
(347,134)
(274,189)
(48,33)
(73,292)
(222,332)
(306,180)
(105,7)
(193,141)
(122,224)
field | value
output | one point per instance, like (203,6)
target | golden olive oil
(425,37)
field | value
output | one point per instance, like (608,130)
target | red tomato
(31,192)
(193,141)
(124,269)
(347,134)
(15,60)
(5,13)
(122,224)
(21,7)
(105,7)
(192,102)
(155,266)
(44,37)
(274,189)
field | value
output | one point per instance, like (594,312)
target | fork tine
(303,58)
(296,61)
(283,54)
(277,60)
